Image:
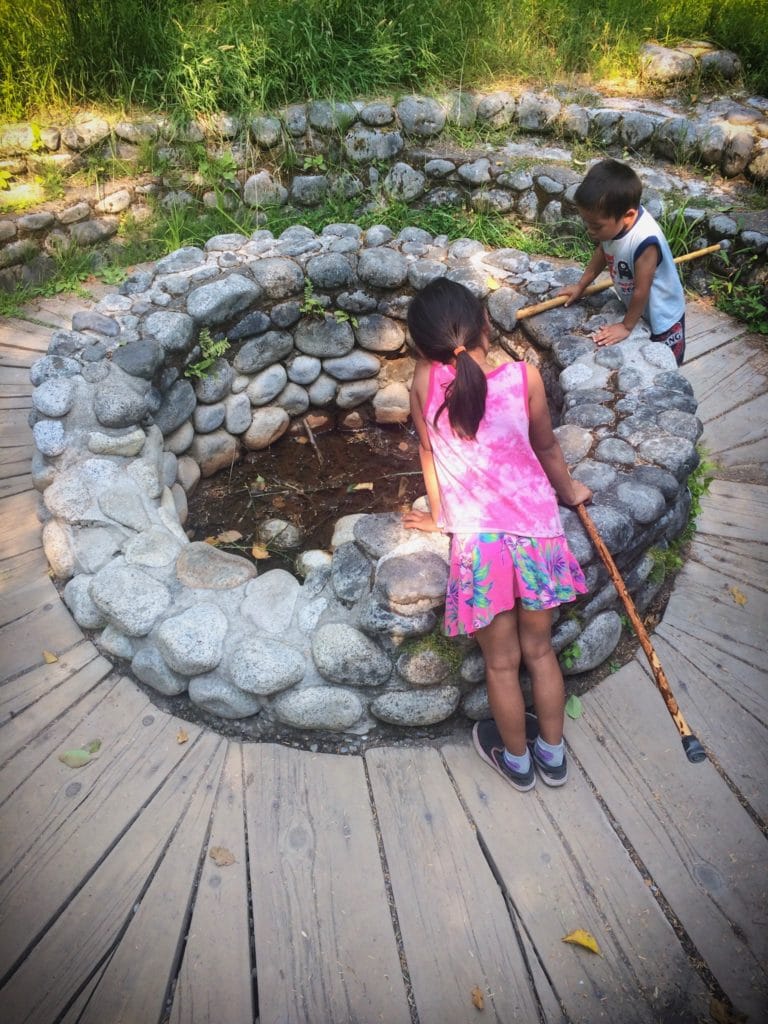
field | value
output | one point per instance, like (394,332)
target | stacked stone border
(316,329)
(368,149)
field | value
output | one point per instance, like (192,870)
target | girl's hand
(414,520)
(579,494)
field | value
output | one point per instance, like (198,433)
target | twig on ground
(312,441)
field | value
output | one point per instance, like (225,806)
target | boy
(631,245)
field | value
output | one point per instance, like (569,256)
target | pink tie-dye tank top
(494,483)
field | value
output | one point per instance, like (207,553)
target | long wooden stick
(542,307)
(693,749)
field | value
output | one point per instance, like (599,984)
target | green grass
(202,55)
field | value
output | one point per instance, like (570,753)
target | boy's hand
(572,291)
(414,520)
(611,334)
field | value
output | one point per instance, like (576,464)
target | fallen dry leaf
(367,486)
(579,937)
(738,596)
(724,1014)
(301,440)
(492,283)
(229,537)
(49,657)
(213,541)
(477,998)
(278,502)
(403,446)
(182,736)
(221,856)
(257,551)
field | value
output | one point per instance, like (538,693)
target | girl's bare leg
(500,645)
(535,632)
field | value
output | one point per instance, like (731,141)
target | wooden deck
(206,880)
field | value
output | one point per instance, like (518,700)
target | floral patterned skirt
(490,572)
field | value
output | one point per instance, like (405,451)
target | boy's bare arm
(645,268)
(592,270)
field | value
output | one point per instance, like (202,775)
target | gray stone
(277,277)
(179,440)
(91,232)
(439,168)
(187,258)
(222,698)
(676,139)
(589,415)
(417,708)
(653,476)
(148,667)
(678,455)
(614,450)
(330,270)
(497,109)
(636,129)
(216,382)
(172,330)
(596,475)
(90,320)
(286,314)
(404,182)
(177,406)
(646,503)
(366,145)
(49,437)
(595,644)
(115,202)
(575,442)
(423,271)
(331,115)
(503,305)
(50,367)
(17,253)
(264,666)
(309,189)
(129,598)
(537,112)
(294,399)
(214,451)
(139,358)
(475,704)
(413,583)
(681,424)
(377,114)
(268,423)
(356,365)
(263,351)
(120,400)
(117,644)
(303,370)
(154,549)
(123,502)
(324,338)
(342,654)
(476,172)
(192,642)
(391,404)
(421,116)
(254,323)
(318,707)
(279,534)
(493,200)
(376,620)
(266,131)
(237,413)
(614,525)
(424,667)
(354,393)
(270,600)
(267,384)
(94,547)
(58,547)
(351,572)
(86,131)
(214,303)
(34,222)
(382,268)
(188,473)
(661,64)
(128,444)
(78,599)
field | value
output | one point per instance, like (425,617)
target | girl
(492,466)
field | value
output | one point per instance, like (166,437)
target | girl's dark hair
(610,188)
(441,318)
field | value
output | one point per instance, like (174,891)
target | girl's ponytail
(446,321)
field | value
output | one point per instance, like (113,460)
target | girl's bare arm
(420,520)
(547,447)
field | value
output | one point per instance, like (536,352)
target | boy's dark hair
(610,188)
(442,317)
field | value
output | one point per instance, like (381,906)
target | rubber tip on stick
(693,749)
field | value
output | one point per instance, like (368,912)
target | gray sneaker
(551,775)
(490,746)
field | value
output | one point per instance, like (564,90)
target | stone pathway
(184,877)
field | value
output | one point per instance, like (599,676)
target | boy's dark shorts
(674,338)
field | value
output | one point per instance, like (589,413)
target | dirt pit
(310,482)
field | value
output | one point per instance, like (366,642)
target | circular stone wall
(315,326)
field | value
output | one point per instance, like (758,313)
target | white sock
(550,753)
(517,762)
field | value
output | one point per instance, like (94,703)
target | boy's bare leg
(535,632)
(500,645)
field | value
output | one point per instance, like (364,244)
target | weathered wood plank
(214,985)
(21,334)
(15,377)
(25,690)
(17,571)
(740,435)
(13,423)
(135,986)
(567,869)
(706,328)
(153,866)
(15,401)
(15,455)
(698,844)
(55,804)
(15,485)
(726,378)
(19,526)
(735,510)
(15,357)
(28,594)
(457,932)
(48,628)
(322,953)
